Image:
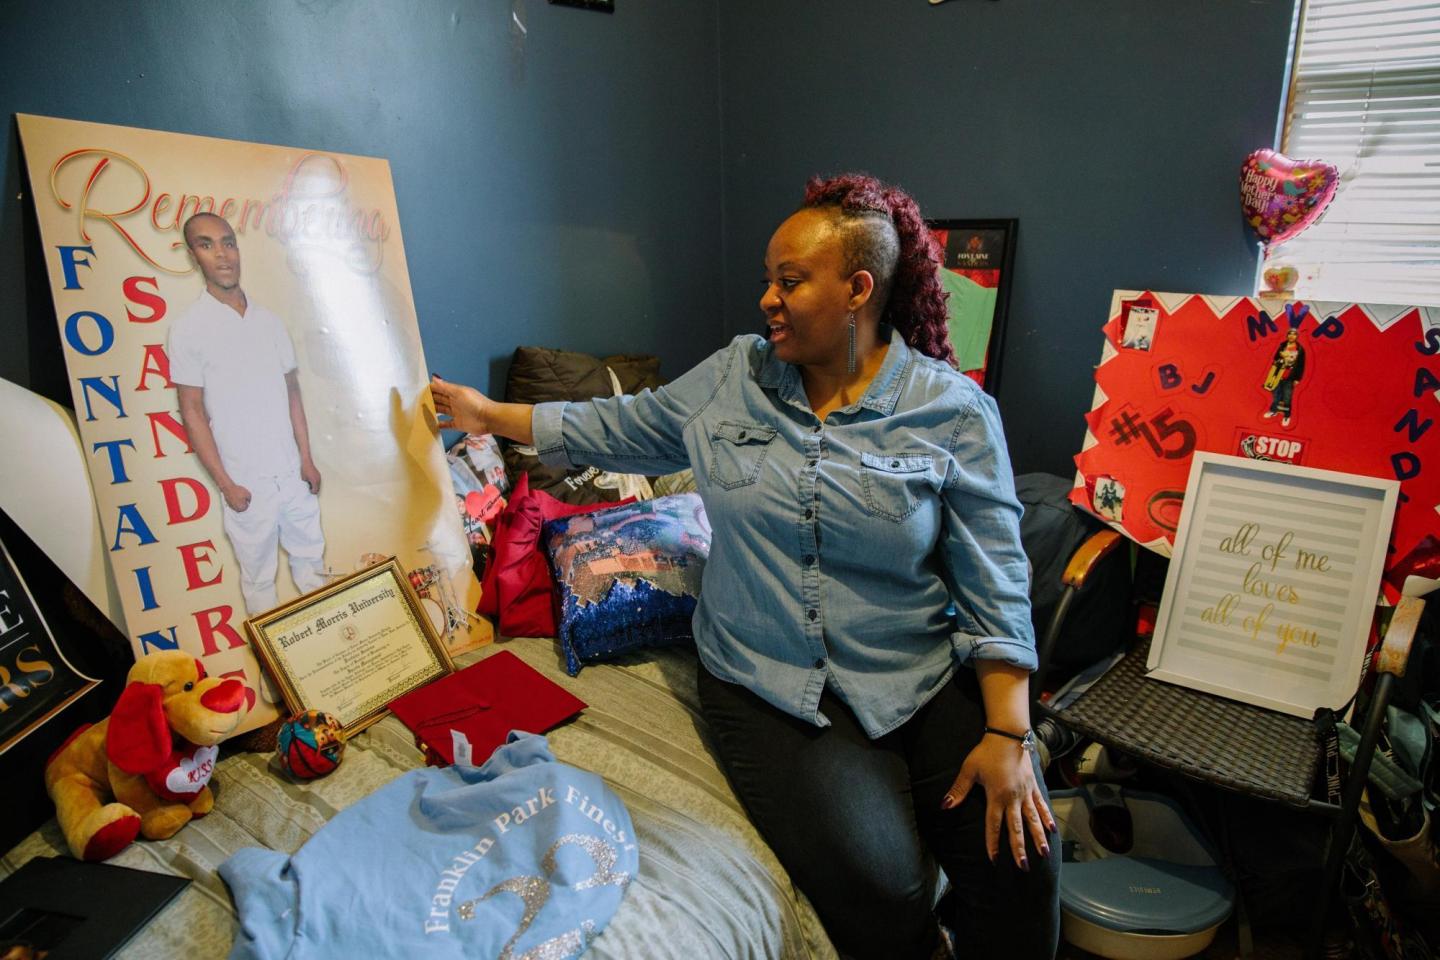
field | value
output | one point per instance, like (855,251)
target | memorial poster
(246,369)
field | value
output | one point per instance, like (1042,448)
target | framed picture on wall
(979,259)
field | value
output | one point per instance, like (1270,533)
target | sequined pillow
(627,577)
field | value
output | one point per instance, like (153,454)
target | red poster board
(1341,386)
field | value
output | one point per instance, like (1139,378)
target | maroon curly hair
(883,232)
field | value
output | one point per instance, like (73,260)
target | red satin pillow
(518,587)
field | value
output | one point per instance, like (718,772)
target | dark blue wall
(1113,129)
(570,194)
(563,193)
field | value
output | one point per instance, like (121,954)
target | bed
(708,886)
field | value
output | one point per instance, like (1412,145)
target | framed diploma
(351,647)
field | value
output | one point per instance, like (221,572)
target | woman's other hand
(460,407)
(1013,798)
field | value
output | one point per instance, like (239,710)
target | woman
(864,627)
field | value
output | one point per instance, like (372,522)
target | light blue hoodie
(491,861)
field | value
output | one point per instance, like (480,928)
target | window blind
(1365,96)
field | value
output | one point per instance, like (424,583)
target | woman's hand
(460,407)
(1012,796)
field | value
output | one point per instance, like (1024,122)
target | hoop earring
(850,353)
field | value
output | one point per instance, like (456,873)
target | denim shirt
(872,552)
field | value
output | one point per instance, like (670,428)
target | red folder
(485,701)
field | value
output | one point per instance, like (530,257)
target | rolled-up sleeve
(545,424)
(984,561)
(643,433)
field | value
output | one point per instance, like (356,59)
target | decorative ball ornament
(310,745)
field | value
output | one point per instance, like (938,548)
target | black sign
(36,681)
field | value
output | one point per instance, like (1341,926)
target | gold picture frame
(350,648)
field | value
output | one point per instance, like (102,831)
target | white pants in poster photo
(45,488)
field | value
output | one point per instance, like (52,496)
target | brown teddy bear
(154,754)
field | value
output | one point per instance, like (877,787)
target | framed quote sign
(1273,582)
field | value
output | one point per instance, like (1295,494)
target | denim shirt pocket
(894,483)
(736,452)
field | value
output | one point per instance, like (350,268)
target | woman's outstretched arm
(465,408)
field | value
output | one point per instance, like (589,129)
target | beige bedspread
(708,886)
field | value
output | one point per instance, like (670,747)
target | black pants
(858,825)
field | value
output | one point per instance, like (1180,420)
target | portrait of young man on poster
(233,365)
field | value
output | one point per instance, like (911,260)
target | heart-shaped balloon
(1281,197)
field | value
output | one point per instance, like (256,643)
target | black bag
(1381,933)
